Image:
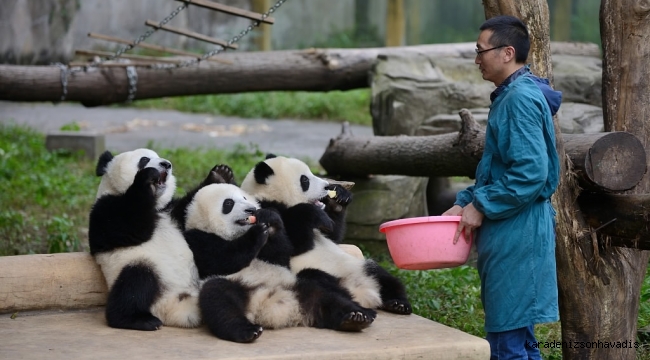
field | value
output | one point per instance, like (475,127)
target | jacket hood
(553,97)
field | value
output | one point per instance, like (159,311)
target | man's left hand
(469,221)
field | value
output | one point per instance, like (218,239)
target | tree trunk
(602,161)
(306,70)
(598,284)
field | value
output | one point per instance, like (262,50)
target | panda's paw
(148,177)
(356,321)
(247,333)
(220,174)
(397,306)
(342,196)
(147,323)
(271,219)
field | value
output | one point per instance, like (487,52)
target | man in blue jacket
(508,209)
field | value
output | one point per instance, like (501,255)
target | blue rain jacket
(517,175)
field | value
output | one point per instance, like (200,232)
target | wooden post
(263,33)
(413,22)
(561,20)
(395,23)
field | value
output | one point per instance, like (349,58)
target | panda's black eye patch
(228,205)
(304,182)
(143,162)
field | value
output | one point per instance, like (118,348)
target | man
(508,208)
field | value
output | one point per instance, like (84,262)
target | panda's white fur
(285,186)
(165,253)
(272,300)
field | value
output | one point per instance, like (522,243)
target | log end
(616,161)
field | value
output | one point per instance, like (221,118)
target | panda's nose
(166,164)
(250,211)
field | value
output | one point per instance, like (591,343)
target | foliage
(45,195)
(349,105)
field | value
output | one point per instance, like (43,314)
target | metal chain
(220,48)
(132,75)
(142,37)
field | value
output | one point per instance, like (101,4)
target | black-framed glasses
(479,52)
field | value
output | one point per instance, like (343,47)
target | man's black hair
(509,30)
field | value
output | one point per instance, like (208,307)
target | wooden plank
(191,34)
(83,52)
(154,47)
(229,10)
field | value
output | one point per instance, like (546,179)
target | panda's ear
(262,172)
(103,161)
(270,156)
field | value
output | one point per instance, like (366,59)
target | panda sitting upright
(314,222)
(145,260)
(243,253)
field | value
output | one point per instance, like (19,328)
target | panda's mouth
(163,178)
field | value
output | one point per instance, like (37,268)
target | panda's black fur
(248,284)
(145,260)
(315,223)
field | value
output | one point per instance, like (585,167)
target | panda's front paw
(147,177)
(397,306)
(220,174)
(270,218)
(337,199)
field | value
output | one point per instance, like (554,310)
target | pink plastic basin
(427,242)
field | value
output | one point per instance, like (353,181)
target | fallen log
(291,70)
(602,162)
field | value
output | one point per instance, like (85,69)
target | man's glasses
(479,52)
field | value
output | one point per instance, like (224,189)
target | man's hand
(469,221)
(453,211)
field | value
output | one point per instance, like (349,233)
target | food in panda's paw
(252,219)
(331,193)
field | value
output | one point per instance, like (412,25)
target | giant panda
(147,264)
(313,212)
(242,252)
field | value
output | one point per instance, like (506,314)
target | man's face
(490,62)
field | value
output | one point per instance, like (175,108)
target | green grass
(46,198)
(349,105)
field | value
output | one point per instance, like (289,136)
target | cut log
(619,219)
(302,70)
(603,161)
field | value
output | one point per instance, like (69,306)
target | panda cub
(243,254)
(145,260)
(313,212)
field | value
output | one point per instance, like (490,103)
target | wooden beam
(191,34)
(83,52)
(230,10)
(153,47)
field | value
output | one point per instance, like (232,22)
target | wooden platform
(51,307)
